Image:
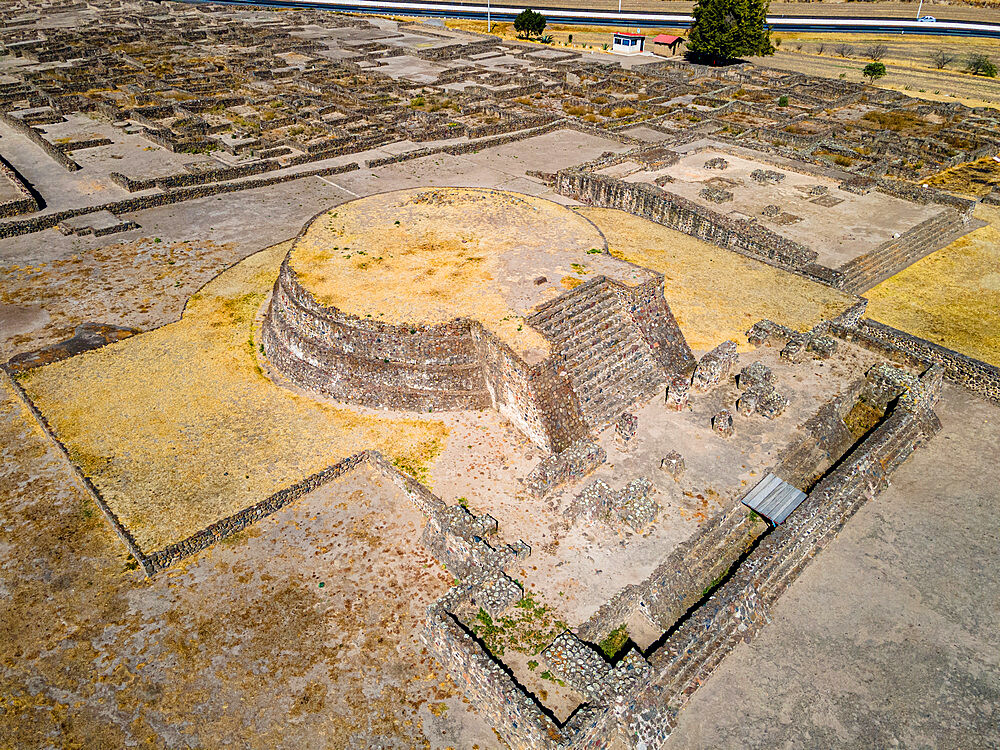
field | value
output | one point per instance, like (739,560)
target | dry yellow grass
(951,297)
(974,178)
(178,427)
(429,256)
(716,294)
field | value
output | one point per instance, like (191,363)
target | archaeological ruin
(528,378)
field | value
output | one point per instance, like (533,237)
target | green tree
(724,30)
(874,71)
(529,23)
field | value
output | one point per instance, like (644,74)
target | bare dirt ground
(94,655)
(951,297)
(179,427)
(890,638)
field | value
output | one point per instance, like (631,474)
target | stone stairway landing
(609,362)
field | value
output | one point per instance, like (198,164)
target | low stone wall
(978,376)
(686,216)
(41,223)
(39,140)
(219,530)
(27,203)
(120,531)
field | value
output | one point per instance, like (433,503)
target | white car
(927,19)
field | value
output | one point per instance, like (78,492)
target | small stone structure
(673,464)
(574,463)
(715,194)
(632,506)
(714,366)
(716,163)
(766,176)
(722,423)
(625,427)
(678,393)
(753,374)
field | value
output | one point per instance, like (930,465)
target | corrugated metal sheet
(774,498)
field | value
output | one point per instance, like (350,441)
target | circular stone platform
(421,300)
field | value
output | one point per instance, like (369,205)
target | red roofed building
(664,41)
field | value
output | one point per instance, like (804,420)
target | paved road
(633,18)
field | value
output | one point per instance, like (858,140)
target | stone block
(766,176)
(678,393)
(795,349)
(771,211)
(625,427)
(673,464)
(715,194)
(747,404)
(714,366)
(822,347)
(772,404)
(717,163)
(722,423)
(754,374)
(498,593)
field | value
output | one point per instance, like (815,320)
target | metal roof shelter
(774,498)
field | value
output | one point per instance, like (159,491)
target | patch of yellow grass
(972,178)
(178,427)
(417,257)
(716,294)
(951,297)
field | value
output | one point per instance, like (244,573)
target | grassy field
(965,10)
(951,297)
(908,60)
(178,427)
(716,294)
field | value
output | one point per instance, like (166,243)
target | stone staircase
(609,363)
(864,272)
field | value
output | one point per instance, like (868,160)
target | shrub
(981,65)
(876,52)
(623,111)
(873,71)
(782,101)
(942,59)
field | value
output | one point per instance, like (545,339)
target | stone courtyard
(375,384)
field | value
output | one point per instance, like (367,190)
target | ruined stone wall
(39,140)
(738,609)
(27,203)
(369,362)
(979,377)
(686,216)
(493,691)
(47,221)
